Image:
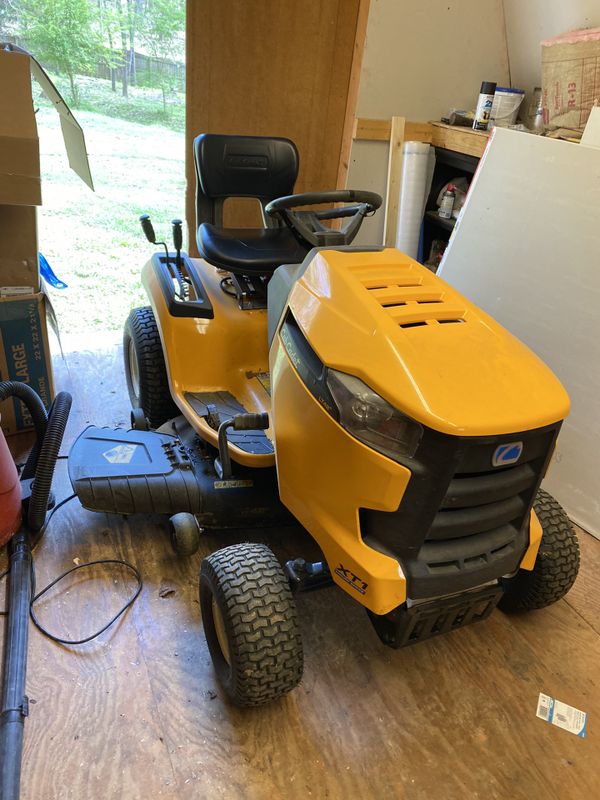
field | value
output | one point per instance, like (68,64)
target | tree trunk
(74,91)
(131,18)
(125,76)
(164,96)
(124,50)
(113,71)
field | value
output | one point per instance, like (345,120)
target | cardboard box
(19,251)
(24,355)
(570,72)
(20,181)
(24,350)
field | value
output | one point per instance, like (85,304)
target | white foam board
(527,250)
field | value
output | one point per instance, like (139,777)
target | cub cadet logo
(354,581)
(506,454)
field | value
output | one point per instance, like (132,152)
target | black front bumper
(462,521)
(409,625)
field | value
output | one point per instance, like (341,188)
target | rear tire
(145,369)
(250,624)
(556,565)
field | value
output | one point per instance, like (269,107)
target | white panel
(527,250)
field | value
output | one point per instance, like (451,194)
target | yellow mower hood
(422,346)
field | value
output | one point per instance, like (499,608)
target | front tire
(556,565)
(250,624)
(145,369)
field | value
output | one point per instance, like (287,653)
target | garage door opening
(120,65)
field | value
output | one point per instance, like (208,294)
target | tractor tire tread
(261,620)
(556,565)
(155,397)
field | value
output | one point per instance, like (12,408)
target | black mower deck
(140,472)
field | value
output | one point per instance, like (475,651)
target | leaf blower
(23,507)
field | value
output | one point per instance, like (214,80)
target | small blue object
(48,274)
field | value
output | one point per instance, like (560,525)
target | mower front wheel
(250,624)
(556,565)
(145,369)
(185,533)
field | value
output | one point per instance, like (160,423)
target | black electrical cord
(131,600)
(36,596)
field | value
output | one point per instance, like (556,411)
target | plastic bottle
(484,106)
(447,204)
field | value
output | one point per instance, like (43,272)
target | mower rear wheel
(556,565)
(250,624)
(145,369)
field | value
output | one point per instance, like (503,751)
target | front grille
(462,522)
(411,297)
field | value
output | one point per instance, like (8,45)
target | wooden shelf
(439,134)
(461,140)
(447,224)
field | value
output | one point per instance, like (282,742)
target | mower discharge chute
(288,375)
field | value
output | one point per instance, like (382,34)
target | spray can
(447,204)
(484,106)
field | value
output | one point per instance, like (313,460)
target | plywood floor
(138,714)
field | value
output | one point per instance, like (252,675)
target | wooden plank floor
(138,714)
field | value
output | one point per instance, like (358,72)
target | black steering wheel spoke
(308,224)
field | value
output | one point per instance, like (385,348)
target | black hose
(36,408)
(57,421)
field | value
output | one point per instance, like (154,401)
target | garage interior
(383,97)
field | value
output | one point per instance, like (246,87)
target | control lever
(148,229)
(177,238)
(241,422)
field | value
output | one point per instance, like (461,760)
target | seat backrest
(241,166)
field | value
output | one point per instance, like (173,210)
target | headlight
(371,419)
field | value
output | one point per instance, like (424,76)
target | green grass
(93,241)
(143,105)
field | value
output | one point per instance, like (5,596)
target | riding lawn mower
(287,376)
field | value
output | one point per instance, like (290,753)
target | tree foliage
(62,33)
(75,37)
(164,21)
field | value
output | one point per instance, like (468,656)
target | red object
(10,494)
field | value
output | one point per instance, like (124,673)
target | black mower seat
(249,251)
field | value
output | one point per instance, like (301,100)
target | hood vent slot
(412,299)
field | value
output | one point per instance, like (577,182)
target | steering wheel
(307,225)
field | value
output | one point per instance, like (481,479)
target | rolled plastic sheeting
(417,174)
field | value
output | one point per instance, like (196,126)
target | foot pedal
(241,422)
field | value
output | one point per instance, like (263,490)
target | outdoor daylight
(119,65)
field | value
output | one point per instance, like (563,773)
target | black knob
(177,234)
(147,228)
